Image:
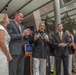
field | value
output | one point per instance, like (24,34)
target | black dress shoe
(51,72)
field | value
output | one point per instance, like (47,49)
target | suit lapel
(16,26)
(58,36)
(63,36)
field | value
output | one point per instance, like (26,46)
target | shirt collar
(60,32)
(16,22)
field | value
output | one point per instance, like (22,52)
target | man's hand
(62,45)
(26,32)
(36,36)
(46,38)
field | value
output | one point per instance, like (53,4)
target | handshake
(26,32)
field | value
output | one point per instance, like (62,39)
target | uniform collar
(41,31)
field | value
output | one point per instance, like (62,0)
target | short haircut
(17,13)
(59,24)
(41,23)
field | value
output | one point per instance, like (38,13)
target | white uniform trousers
(52,59)
(39,66)
(70,64)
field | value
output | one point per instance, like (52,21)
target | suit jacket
(70,48)
(51,47)
(61,51)
(15,45)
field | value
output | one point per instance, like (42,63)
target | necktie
(60,36)
(20,29)
(21,33)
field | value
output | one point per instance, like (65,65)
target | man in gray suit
(61,51)
(17,32)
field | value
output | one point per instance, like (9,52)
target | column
(37,18)
(57,13)
(57,20)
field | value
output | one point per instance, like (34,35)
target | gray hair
(41,23)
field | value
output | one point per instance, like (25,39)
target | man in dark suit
(61,42)
(16,32)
